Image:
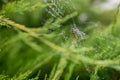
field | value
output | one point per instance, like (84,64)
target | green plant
(57,49)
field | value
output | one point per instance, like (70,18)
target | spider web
(57,11)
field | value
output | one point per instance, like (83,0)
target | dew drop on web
(56,11)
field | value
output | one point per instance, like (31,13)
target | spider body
(77,33)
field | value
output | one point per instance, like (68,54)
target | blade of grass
(70,71)
(60,69)
(115,19)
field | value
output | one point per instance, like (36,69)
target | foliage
(37,43)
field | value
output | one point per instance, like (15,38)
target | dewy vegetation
(58,40)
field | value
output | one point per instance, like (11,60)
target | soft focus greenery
(34,45)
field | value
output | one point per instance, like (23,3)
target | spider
(77,33)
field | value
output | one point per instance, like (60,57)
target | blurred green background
(24,57)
